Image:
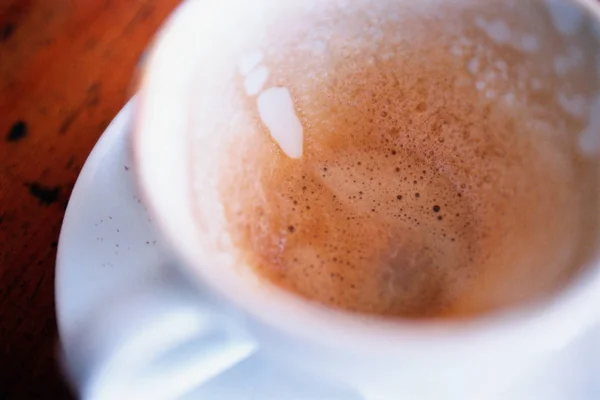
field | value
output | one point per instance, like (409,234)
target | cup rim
(547,324)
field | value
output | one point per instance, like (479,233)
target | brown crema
(418,194)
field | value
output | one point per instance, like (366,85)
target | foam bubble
(573,104)
(501,66)
(509,98)
(276,110)
(456,50)
(490,93)
(249,61)
(497,29)
(255,81)
(317,47)
(529,43)
(473,65)
(565,63)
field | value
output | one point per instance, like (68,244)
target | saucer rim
(118,126)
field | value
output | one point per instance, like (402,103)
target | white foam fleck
(277,112)
(490,75)
(501,65)
(574,104)
(312,45)
(456,50)
(480,85)
(529,43)
(319,47)
(563,64)
(465,41)
(473,66)
(375,34)
(567,17)
(249,61)
(589,138)
(509,98)
(255,81)
(536,84)
(497,30)
(490,93)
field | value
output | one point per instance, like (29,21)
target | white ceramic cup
(223,317)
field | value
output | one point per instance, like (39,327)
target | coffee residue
(379,178)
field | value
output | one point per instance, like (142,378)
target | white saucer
(107,239)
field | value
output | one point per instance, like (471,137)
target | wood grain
(65,71)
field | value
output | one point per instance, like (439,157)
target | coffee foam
(416,180)
(255,81)
(277,114)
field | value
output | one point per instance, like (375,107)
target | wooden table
(65,70)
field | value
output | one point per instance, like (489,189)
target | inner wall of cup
(509,48)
